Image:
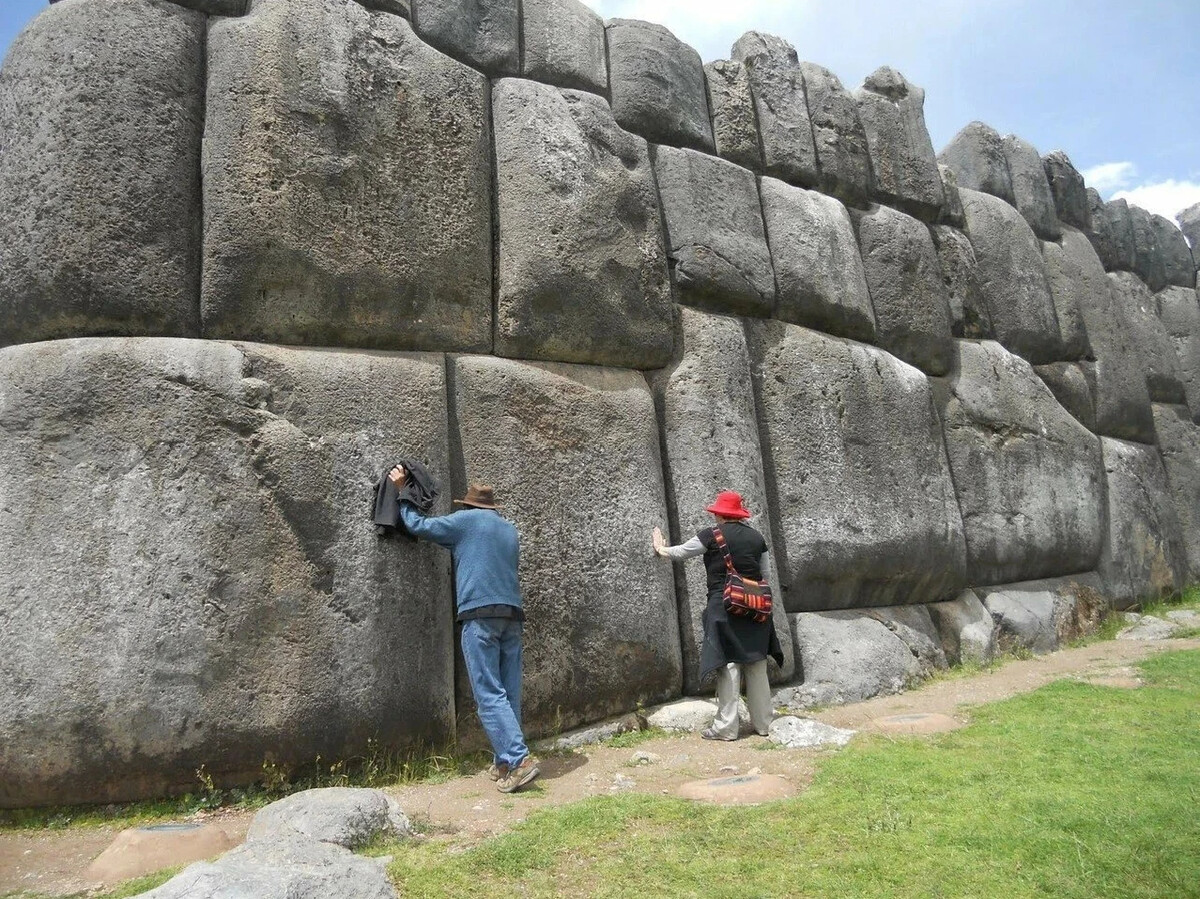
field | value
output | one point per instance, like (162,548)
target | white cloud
(1110,176)
(1166,198)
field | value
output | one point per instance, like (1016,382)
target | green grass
(1073,791)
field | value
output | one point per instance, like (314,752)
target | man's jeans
(492,649)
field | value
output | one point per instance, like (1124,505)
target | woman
(735,647)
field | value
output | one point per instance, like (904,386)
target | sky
(1114,83)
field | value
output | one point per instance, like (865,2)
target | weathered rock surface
(657,85)
(347,196)
(1069,286)
(573,453)
(867,512)
(101,115)
(1111,233)
(1144,555)
(219,597)
(1068,189)
(734,123)
(1012,278)
(1146,627)
(1071,387)
(979,160)
(341,816)
(969,315)
(212,7)
(952,213)
(1179,444)
(892,111)
(806,733)
(965,628)
(1029,615)
(843,157)
(564,45)
(1152,345)
(1027,474)
(1179,312)
(818,267)
(1031,190)
(686,715)
(582,270)
(485,34)
(710,434)
(1178,267)
(716,241)
(1189,223)
(904,277)
(784,124)
(1148,261)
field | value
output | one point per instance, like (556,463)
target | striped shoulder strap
(720,538)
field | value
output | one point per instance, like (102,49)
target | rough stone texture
(904,277)
(892,111)
(1111,233)
(1179,444)
(717,244)
(784,124)
(138,851)
(734,124)
(657,85)
(1070,386)
(818,268)
(1146,627)
(1148,261)
(1069,286)
(346,196)
(564,45)
(867,513)
(806,733)
(101,114)
(1172,246)
(979,159)
(342,816)
(843,157)
(710,435)
(1068,189)
(966,629)
(582,270)
(687,715)
(952,213)
(969,316)
(485,34)
(1144,555)
(1012,278)
(573,453)
(219,597)
(1179,313)
(1031,190)
(1024,618)
(214,7)
(1153,346)
(1189,223)
(397,7)
(1027,474)
(292,868)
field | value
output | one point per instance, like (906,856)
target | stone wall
(256,251)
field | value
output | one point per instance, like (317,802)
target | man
(486,549)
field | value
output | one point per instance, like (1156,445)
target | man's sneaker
(495,772)
(519,776)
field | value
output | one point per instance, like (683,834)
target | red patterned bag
(743,596)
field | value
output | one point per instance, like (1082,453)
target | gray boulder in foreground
(1146,627)
(1043,615)
(966,629)
(341,816)
(802,733)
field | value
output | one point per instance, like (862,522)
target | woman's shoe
(709,734)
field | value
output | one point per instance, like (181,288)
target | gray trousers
(758,698)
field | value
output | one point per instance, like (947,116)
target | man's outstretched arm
(441,530)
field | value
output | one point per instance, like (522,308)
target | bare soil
(468,810)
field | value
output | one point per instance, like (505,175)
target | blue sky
(1114,84)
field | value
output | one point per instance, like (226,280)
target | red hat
(729,504)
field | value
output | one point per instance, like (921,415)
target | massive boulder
(1028,476)
(710,435)
(347,195)
(101,115)
(969,316)
(1068,189)
(866,508)
(1071,386)
(1031,190)
(210,591)
(1152,345)
(484,34)
(573,453)
(892,111)
(582,271)
(1012,278)
(818,267)
(716,240)
(1149,263)
(734,124)
(1111,232)
(1069,285)
(657,84)
(965,628)
(1179,312)
(1179,443)
(979,160)
(563,43)
(843,157)
(1189,223)
(1043,615)
(1178,267)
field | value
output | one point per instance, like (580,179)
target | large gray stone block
(573,452)
(979,160)
(484,34)
(1069,286)
(716,239)
(349,817)
(1068,189)
(1028,476)
(1179,312)
(1148,261)
(734,124)
(1179,443)
(219,597)
(862,490)
(1152,345)
(952,213)
(1189,223)
(843,157)
(965,628)
(710,434)
(784,125)
(904,276)
(1179,270)
(1012,277)
(1031,190)
(1111,233)
(347,195)
(212,7)
(969,316)
(1144,556)
(564,45)
(657,84)
(101,115)
(1044,615)
(1072,388)
(582,269)
(892,111)
(818,268)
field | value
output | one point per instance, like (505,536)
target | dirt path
(468,810)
